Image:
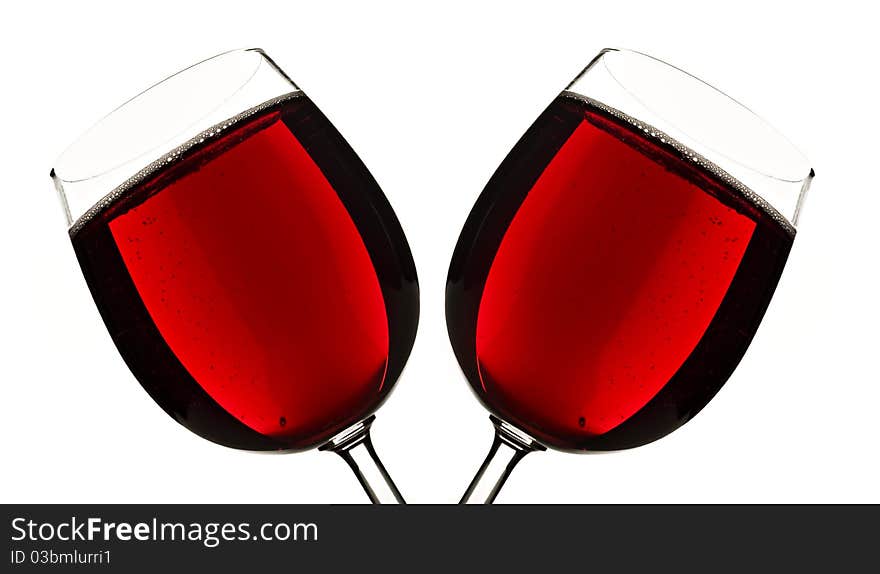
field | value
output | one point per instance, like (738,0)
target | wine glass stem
(508,448)
(356,448)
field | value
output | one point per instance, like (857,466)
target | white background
(432,99)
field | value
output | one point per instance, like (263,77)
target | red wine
(605,285)
(258,285)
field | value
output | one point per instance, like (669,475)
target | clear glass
(730,138)
(695,124)
(157,128)
(160,119)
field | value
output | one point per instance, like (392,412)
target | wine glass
(246,264)
(614,270)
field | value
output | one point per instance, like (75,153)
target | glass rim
(703,123)
(60,167)
(805,168)
(192,105)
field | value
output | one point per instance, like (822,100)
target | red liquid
(604,287)
(244,294)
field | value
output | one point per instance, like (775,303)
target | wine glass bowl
(246,264)
(618,263)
